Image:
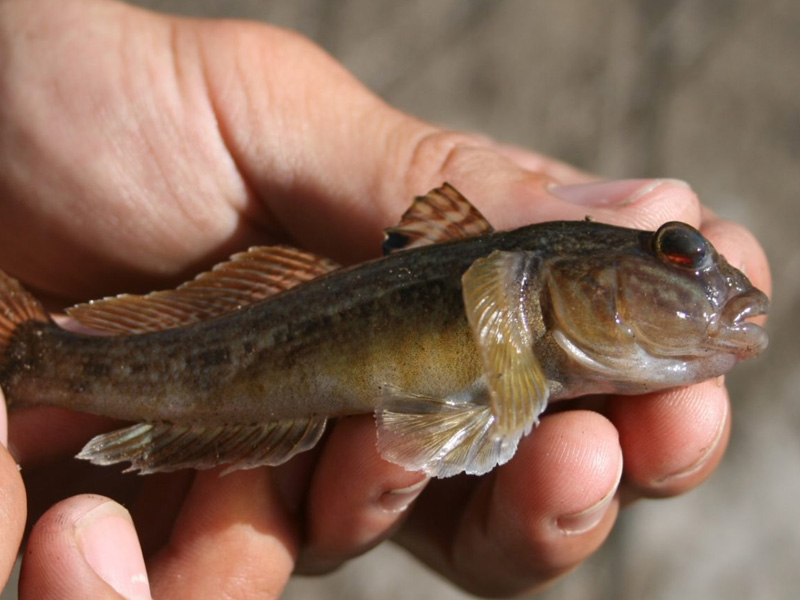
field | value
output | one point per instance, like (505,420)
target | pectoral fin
(494,291)
(479,428)
(159,447)
(442,437)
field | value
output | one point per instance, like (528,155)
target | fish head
(666,309)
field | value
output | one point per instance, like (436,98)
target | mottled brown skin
(325,347)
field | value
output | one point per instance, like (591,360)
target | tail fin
(16,307)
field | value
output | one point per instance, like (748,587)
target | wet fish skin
(648,320)
(457,346)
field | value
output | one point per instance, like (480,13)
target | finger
(510,196)
(12,503)
(157,505)
(84,547)
(673,440)
(538,516)
(232,539)
(356,498)
(535,162)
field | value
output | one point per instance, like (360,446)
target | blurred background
(703,90)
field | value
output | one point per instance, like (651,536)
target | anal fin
(442,437)
(161,447)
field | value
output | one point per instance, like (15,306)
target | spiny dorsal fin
(246,278)
(441,215)
(493,299)
(440,436)
(160,447)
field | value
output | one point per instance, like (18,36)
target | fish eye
(682,246)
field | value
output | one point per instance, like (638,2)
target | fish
(455,339)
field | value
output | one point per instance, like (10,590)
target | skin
(137,149)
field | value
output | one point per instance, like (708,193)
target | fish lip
(746,305)
(735,332)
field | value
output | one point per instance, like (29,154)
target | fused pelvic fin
(441,437)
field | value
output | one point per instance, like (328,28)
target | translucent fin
(442,214)
(246,278)
(494,299)
(442,437)
(158,447)
(16,307)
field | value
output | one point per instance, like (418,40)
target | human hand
(137,149)
(12,502)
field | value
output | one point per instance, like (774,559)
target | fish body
(456,340)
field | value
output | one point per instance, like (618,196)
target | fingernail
(396,501)
(586,520)
(108,541)
(619,192)
(705,455)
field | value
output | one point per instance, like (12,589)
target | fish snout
(745,338)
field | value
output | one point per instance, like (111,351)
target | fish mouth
(734,331)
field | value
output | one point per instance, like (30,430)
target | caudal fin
(17,306)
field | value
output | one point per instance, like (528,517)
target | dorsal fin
(246,278)
(441,215)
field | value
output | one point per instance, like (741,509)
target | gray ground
(702,90)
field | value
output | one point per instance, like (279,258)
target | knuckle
(439,155)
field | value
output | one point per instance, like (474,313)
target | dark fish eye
(682,245)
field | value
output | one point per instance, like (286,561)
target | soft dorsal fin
(441,215)
(246,278)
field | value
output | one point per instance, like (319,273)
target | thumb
(334,164)
(84,547)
